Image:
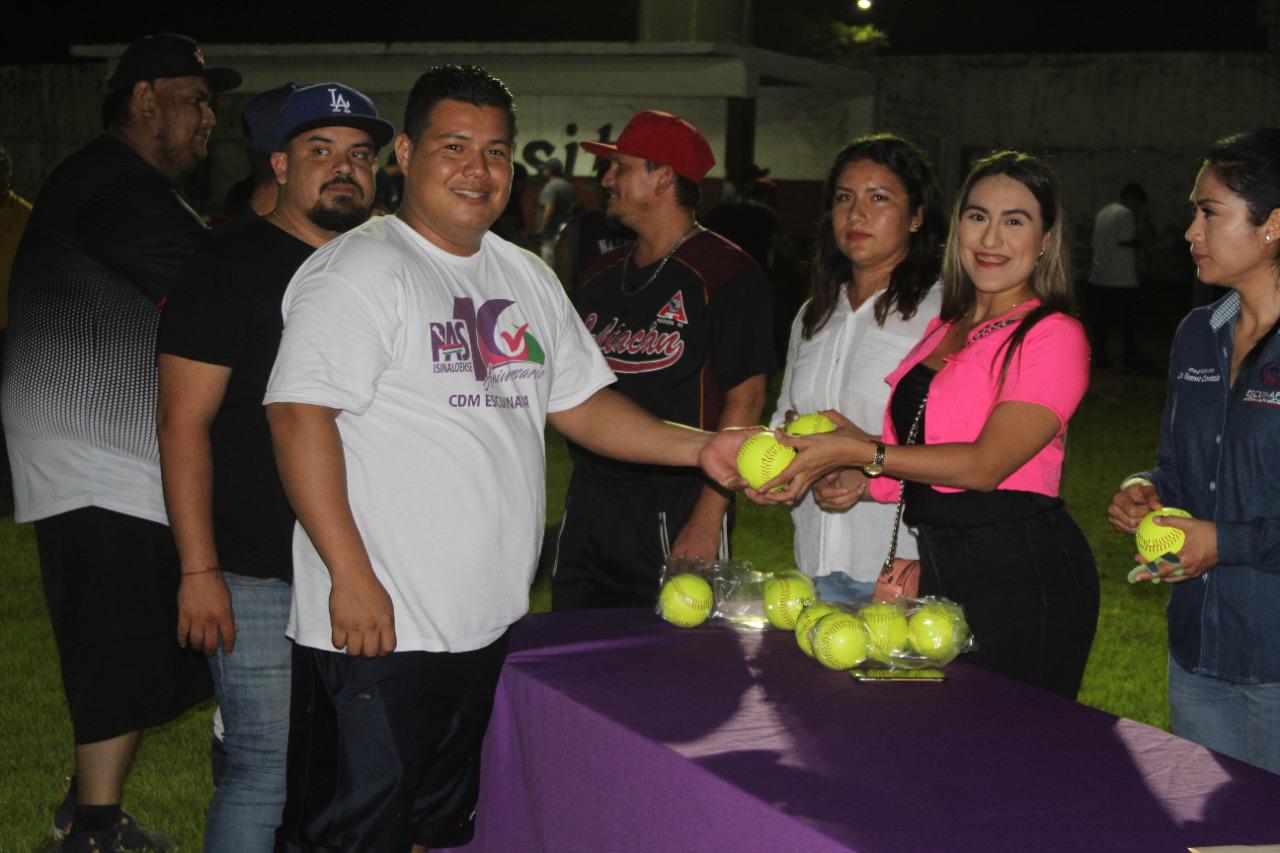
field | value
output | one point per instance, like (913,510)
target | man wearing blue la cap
(233,526)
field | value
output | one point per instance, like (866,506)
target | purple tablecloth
(615,732)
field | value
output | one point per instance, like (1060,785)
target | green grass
(1113,434)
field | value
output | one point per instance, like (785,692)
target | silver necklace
(693,229)
(992,328)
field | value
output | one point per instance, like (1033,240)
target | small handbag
(900,577)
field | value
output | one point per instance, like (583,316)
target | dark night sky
(914,26)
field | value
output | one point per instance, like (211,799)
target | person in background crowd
(420,360)
(510,226)
(682,316)
(555,205)
(587,236)
(109,236)
(255,194)
(1113,280)
(876,261)
(233,525)
(390,187)
(1221,426)
(987,395)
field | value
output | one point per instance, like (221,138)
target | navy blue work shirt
(1218,446)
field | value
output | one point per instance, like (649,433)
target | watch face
(873,469)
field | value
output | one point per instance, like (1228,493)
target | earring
(915,228)
(1268,238)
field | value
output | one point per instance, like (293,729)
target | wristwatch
(875,467)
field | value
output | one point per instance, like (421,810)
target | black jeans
(614,540)
(1030,592)
(385,752)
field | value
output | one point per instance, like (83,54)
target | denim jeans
(1240,720)
(839,588)
(252,685)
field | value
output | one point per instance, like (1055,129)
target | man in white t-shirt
(421,357)
(1113,278)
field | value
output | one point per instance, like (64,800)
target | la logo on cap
(338,103)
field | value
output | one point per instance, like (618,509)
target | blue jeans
(1240,720)
(252,685)
(839,588)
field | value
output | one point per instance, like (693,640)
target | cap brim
(600,149)
(222,79)
(380,129)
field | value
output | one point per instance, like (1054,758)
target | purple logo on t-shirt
(475,341)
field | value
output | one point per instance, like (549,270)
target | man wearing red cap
(683,318)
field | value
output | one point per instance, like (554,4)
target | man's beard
(338,219)
(345,214)
(178,161)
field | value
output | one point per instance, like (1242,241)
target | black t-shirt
(226,311)
(702,327)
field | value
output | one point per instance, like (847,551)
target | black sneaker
(135,836)
(103,841)
(131,834)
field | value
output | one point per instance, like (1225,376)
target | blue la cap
(327,105)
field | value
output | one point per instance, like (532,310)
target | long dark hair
(910,279)
(1050,280)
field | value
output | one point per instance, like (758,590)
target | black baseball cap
(259,116)
(167,55)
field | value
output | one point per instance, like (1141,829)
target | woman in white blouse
(876,260)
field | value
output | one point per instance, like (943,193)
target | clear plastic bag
(742,596)
(908,633)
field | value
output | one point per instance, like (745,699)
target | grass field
(1113,434)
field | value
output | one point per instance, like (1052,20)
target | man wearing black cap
(683,318)
(218,338)
(255,194)
(108,237)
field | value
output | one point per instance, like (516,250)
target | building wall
(1101,119)
(50,111)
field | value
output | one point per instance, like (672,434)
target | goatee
(340,218)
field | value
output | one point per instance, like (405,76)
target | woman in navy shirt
(1219,443)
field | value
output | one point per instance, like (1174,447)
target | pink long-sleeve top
(1050,369)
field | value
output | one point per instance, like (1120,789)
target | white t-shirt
(1113,265)
(445,369)
(843,367)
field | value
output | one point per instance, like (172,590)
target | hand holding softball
(1130,504)
(1198,554)
(719,456)
(816,456)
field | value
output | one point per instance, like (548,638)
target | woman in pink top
(988,392)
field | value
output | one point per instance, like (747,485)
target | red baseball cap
(663,138)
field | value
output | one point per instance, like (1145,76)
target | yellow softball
(762,457)
(686,600)
(785,596)
(810,424)
(1154,540)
